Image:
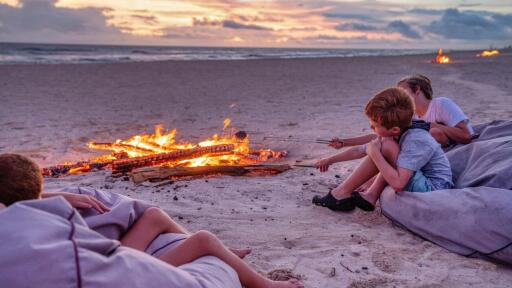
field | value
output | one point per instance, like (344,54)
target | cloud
(237,25)
(354,26)
(231,24)
(472,26)
(403,28)
(424,11)
(43,15)
(41,21)
(347,16)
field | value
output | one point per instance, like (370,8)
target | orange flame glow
(488,53)
(441,58)
(164,142)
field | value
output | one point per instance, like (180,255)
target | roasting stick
(303,166)
(318,141)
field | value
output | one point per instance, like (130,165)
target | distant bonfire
(488,53)
(441,58)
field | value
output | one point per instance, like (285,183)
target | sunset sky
(260,23)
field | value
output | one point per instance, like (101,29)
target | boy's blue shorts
(418,183)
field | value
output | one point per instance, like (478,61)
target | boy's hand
(323,165)
(374,147)
(85,202)
(336,143)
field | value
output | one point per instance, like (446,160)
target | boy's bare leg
(390,150)
(372,194)
(154,222)
(364,172)
(366,185)
(204,243)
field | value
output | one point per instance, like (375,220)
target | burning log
(165,172)
(118,146)
(125,165)
(82,166)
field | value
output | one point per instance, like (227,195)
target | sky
(452,24)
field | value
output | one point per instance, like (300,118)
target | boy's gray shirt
(420,151)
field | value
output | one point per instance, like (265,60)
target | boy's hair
(20,179)
(390,108)
(419,81)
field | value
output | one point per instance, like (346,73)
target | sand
(49,113)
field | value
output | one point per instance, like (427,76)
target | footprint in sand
(371,283)
(385,262)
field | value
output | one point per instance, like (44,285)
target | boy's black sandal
(334,204)
(361,203)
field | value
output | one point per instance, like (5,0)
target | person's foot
(345,204)
(241,252)
(292,283)
(362,203)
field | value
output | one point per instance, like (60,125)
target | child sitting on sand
(448,123)
(21,179)
(404,157)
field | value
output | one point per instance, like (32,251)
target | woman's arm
(459,133)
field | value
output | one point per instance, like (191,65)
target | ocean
(15,53)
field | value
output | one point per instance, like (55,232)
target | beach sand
(49,113)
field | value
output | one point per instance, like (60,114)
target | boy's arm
(459,133)
(397,178)
(349,154)
(349,142)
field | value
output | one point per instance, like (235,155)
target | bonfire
(441,58)
(227,153)
(488,53)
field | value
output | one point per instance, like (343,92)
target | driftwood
(126,165)
(165,172)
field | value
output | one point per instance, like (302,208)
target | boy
(21,179)
(404,157)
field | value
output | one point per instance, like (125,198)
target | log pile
(128,164)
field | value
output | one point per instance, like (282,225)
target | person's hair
(419,81)
(390,108)
(20,179)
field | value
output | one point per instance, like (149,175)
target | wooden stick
(304,166)
(165,172)
(290,139)
(125,165)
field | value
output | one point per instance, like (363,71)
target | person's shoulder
(443,100)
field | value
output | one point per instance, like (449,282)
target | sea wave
(11,53)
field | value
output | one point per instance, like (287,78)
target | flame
(227,121)
(441,58)
(164,142)
(488,53)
